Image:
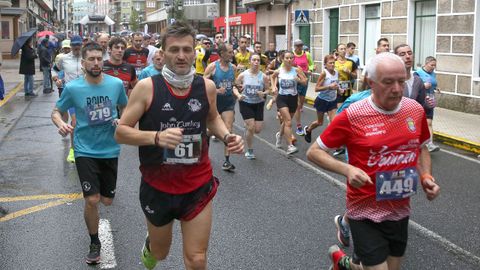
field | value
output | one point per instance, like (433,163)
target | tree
(134,20)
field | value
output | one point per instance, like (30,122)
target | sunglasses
(207,43)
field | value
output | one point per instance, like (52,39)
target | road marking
(41,197)
(11,93)
(108,260)
(460,156)
(40,207)
(428,234)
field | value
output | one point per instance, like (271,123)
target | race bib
(188,151)
(99,114)
(344,84)
(251,90)
(396,185)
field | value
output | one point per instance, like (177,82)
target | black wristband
(225,138)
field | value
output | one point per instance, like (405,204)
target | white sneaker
(250,155)
(278,140)
(292,149)
(432,147)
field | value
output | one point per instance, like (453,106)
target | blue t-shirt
(428,77)
(96,108)
(354,98)
(148,72)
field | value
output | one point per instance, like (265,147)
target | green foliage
(134,21)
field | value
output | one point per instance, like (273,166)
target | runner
(303,60)
(137,55)
(200,62)
(103,39)
(287,78)
(386,136)
(274,65)
(254,86)
(115,66)
(326,101)
(155,68)
(429,78)
(263,58)
(95,98)
(347,71)
(222,73)
(71,65)
(174,110)
(242,57)
(211,53)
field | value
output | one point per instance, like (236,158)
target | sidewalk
(457,129)
(13,80)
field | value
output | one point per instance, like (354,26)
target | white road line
(108,251)
(449,246)
(460,156)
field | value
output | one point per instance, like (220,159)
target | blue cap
(75,40)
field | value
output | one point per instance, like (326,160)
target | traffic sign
(301,16)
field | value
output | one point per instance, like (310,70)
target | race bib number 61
(188,151)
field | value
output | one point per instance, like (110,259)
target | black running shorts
(251,110)
(97,175)
(374,242)
(161,208)
(287,101)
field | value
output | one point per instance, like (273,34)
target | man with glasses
(201,62)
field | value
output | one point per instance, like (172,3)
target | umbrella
(44,33)
(20,41)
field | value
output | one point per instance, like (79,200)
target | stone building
(445,29)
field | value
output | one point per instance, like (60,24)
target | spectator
(271,53)
(45,65)
(27,67)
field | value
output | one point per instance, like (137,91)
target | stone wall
(455,48)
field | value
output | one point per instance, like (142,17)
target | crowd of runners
(171,100)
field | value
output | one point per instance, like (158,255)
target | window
(150,4)
(372,30)
(424,33)
(5,30)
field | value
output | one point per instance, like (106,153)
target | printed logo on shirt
(385,157)
(194,105)
(411,124)
(167,107)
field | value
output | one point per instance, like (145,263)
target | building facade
(445,29)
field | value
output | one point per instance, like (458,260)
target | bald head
(102,39)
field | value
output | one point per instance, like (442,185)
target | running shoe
(299,131)
(249,154)
(432,147)
(308,134)
(343,232)
(227,166)
(339,152)
(93,256)
(292,149)
(278,140)
(340,261)
(148,260)
(71,156)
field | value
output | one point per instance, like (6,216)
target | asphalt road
(273,213)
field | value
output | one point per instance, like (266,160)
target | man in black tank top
(173,110)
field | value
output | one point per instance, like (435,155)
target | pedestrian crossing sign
(301,16)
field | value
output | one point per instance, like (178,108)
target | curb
(11,93)
(457,142)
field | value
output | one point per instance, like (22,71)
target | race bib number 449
(187,152)
(396,185)
(99,113)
